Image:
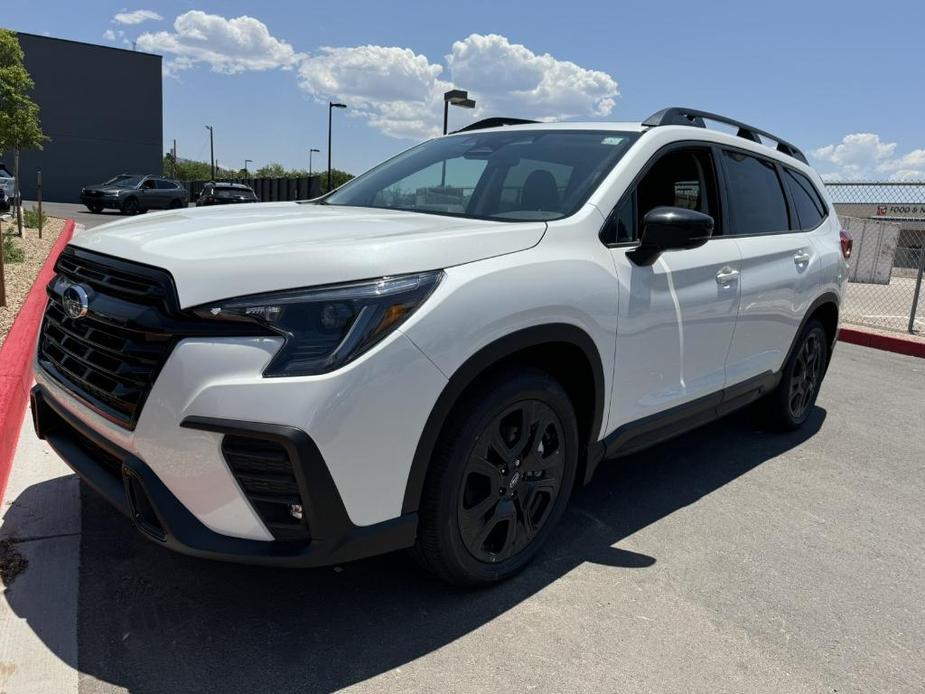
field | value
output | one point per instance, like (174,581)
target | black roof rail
(676,115)
(494,123)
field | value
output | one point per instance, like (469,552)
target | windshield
(514,175)
(124,181)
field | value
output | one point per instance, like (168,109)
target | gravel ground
(20,276)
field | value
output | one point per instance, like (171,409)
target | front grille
(265,474)
(110,357)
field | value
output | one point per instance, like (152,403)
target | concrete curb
(16,358)
(888,343)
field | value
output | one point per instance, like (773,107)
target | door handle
(801,257)
(727,275)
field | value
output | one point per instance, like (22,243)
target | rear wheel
(176,204)
(95,209)
(500,479)
(790,404)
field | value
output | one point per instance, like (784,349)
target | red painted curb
(889,343)
(16,358)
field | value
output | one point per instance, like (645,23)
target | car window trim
(719,182)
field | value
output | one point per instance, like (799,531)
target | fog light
(295,510)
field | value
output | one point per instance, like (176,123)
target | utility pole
(39,200)
(331,107)
(211,150)
(246,162)
(173,160)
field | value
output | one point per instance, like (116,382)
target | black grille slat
(111,356)
(264,471)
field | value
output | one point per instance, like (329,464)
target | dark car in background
(134,193)
(7,189)
(225,194)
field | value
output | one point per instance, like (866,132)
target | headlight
(326,327)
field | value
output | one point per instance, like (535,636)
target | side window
(164,185)
(149,184)
(680,178)
(756,198)
(809,206)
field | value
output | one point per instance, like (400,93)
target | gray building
(102,107)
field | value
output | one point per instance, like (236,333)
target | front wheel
(500,478)
(131,206)
(789,405)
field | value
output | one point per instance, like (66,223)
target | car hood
(225,251)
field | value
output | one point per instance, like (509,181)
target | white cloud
(226,45)
(395,89)
(109,35)
(512,80)
(135,17)
(864,156)
(400,92)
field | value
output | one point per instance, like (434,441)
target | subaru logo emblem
(76,302)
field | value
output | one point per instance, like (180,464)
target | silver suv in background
(134,193)
(7,189)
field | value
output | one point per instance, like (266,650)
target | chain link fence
(886,220)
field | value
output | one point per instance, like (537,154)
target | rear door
(779,262)
(677,316)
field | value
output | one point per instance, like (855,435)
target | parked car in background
(7,188)
(134,193)
(225,194)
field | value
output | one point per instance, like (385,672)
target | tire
(496,488)
(175,204)
(789,405)
(131,206)
(95,209)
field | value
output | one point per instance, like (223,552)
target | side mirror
(670,229)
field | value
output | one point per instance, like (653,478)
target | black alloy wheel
(131,206)
(806,374)
(511,481)
(499,478)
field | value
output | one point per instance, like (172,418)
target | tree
(272,170)
(338,178)
(19,114)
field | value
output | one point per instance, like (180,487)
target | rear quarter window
(810,208)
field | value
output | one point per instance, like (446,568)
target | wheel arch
(552,347)
(825,309)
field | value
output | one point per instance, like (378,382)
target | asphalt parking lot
(77,212)
(727,560)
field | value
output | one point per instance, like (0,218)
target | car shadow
(152,620)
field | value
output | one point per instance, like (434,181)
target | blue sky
(842,80)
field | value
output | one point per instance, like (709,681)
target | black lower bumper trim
(132,487)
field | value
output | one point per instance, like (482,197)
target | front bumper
(107,203)
(130,485)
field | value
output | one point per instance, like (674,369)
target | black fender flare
(476,365)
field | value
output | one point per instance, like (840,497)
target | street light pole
(457,97)
(246,162)
(310,160)
(331,106)
(211,150)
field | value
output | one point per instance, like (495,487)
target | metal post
(330,108)
(2,279)
(173,160)
(38,197)
(918,289)
(18,192)
(446,113)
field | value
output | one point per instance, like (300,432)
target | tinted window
(164,185)
(512,175)
(809,206)
(756,199)
(681,178)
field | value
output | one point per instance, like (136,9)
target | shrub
(11,252)
(30,218)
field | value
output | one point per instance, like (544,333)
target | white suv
(435,354)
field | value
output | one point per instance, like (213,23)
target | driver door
(677,316)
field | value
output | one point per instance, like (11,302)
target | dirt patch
(12,563)
(20,276)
